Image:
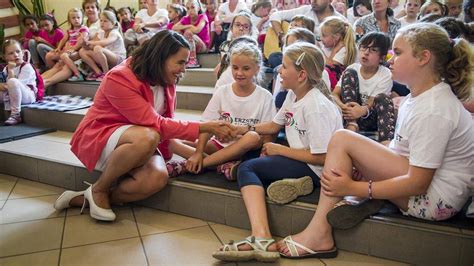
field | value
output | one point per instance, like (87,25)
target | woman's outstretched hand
(224,131)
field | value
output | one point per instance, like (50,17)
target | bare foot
(309,241)
(78,201)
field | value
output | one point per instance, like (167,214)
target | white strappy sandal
(294,254)
(259,252)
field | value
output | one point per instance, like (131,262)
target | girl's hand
(353,111)
(3,87)
(336,183)
(271,148)
(194,163)
(11,65)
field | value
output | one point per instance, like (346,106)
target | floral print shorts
(430,206)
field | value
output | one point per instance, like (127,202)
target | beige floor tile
(27,189)
(191,246)
(349,258)
(83,230)
(41,258)
(285,262)
(7,183)
(28,237)
(151,221)
(120,252)
(20,210)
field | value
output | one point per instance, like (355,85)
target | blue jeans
(263,171)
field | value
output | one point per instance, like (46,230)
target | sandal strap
(260,244)
(292,247)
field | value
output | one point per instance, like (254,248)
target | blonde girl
(427,168)
(18,85)
(310,118)
(433,7)
(242,103)
(106,49)
(339,46)
(195,28)
(67,51)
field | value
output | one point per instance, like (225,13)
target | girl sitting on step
(106,48)
(363,91)
(242,102)
(310,117)
(18,85)
(427,169)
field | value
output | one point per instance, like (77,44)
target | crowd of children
(335,67)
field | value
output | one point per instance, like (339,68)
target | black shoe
(346,215)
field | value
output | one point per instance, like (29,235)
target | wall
(9,17)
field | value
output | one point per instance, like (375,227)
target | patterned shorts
(430,206)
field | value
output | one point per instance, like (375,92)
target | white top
(225,105)
(226,15)
(159,99)
(255,20)
(381,82)
(350,15)
(277,85)
(306,10)
(435,131)
(118,46)
(338,57)
(94,28)
(27,75)
(309,122)
(160,13)
(404,21)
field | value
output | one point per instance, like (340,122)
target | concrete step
(47,159)
(199,77)
(68,121)
(209,60)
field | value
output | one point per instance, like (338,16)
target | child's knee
(97,49)
(382,99)
(12,83)
(252,139)
(64,56)
(31,43)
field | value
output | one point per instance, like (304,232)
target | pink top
(204,33)
(74,35)
(170,26)
(210,18)
(28,36)
(54,38)
(122,99)
(125,26)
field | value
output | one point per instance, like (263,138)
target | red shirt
(122,99)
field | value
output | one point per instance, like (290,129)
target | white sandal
(259,252)
(294,254)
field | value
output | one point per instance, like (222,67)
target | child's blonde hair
(74,10)
(308,57)
(110,16)
(301,34)
(261,3)
(424,6)
(453,59)
(336,25)
(253,52)
(307,22)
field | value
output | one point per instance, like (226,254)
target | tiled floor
(33,233)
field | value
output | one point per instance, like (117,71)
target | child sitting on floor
(242,102)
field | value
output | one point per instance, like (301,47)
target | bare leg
(347,149)
(69,62)
(110,58)
(86,56)
(100,58)
(59,76)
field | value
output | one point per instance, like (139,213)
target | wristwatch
(250,128)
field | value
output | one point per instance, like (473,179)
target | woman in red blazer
(132,116)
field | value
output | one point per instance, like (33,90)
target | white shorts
(110,147)
(430,206)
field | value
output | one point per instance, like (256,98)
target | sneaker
(229,170)
(287,190)
(76,78)
(176,168)
(100,77)
(13,120)
(193,63)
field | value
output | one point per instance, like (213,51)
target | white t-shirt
(94,28)
(225,15)
(381,82)
(27,75)
(435,131)
(118,46)
(309,122)
(404,21)
(277,85)
(225,78)
(338,57)
(255,20)
(225,105)
(159,99)
(160,13)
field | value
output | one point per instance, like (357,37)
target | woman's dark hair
(50,18)
(376,39)
(148,60)
(454,27)
(467,6)
(29,17)
(366,3)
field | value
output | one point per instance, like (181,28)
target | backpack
(39,82)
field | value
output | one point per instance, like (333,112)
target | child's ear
(302,75)
(424,57)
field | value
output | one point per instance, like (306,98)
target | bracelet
(368,112)
(370,189)
(250,128)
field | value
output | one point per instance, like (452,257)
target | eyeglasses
(372,50)
(243,26)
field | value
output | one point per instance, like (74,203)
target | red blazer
(122,99)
